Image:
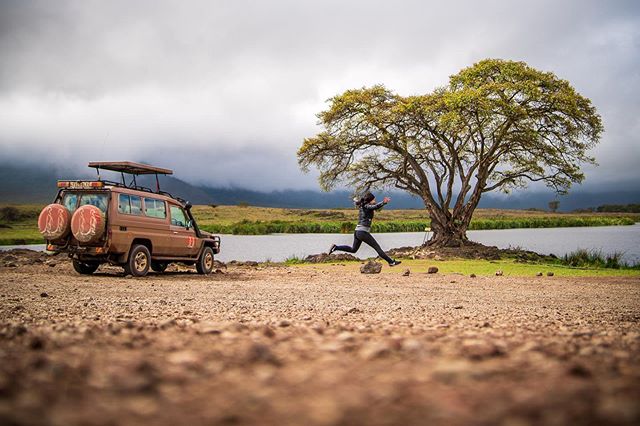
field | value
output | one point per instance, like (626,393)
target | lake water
(559,241)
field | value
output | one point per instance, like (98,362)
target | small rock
(268,332)
(579,370)
(549,274)
(10,265)
(406,273)
(345,336)
(499,273)
(353,311)
(44,294)
(167,323)
(432,270)
(51,264)
(457,307)
(258,352)
(472,276)
(374,350)
(539,274)
(284,323)
(371,267)
(479,349)
(36,343)
(208,327)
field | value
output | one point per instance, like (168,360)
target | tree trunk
(448,231)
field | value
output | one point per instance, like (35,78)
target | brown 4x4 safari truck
(102,221)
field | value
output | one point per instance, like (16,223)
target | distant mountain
(34,183)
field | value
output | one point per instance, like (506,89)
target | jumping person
(367,205)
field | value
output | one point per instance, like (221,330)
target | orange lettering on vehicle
(191,241)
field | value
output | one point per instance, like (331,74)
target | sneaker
(332,248)
(395,263)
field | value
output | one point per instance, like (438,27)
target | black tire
(139,261)
(204,265)
(85,268)
(158,266)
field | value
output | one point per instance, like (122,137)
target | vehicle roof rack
(131,168)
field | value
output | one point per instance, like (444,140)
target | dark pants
(360,237)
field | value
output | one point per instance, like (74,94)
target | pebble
(406,273)
(499,273)
(550,274)
(432,270)
(44,294)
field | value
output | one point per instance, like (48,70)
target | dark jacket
(365,215)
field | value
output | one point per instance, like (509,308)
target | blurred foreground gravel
(314,346)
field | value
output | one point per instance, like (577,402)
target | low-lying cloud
(224,92)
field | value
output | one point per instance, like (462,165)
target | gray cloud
(224,92)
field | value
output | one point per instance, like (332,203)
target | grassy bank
(239,220)
(247,227)
(485,268)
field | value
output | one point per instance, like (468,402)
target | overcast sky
(225,91)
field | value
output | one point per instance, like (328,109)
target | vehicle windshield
(73,200)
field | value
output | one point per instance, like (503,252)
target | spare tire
(87,224)
(54,222)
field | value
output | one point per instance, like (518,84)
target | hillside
(33,183)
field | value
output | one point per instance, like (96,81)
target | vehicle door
(183,236)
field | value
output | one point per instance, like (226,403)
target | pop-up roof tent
(131,168)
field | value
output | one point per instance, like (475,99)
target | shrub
(10,214)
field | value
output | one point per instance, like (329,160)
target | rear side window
(98,200)
(130,204)
(155,208)
(70,201)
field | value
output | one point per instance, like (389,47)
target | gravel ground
(314,345)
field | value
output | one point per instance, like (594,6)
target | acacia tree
(497,125)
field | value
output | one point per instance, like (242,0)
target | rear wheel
(159,266)
(139,261)
(204,265)
(85,268)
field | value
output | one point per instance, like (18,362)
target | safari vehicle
(101,221)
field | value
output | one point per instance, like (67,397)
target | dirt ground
(314,345)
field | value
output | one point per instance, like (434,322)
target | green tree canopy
(497,125)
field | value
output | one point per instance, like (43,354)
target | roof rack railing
(129,167)
(134,169)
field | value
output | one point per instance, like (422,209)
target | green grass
(509,267)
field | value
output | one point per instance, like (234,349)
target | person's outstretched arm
(377,206)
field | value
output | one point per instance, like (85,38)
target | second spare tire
(88,224)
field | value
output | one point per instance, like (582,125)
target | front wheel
(139,261)
(204,265)
(85,268)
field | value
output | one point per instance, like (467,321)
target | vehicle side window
(178,218)
(123,204)
(130,204)
(70,201)
(155,208)
(97,200)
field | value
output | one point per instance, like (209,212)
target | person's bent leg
(368,239)
(350,249)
